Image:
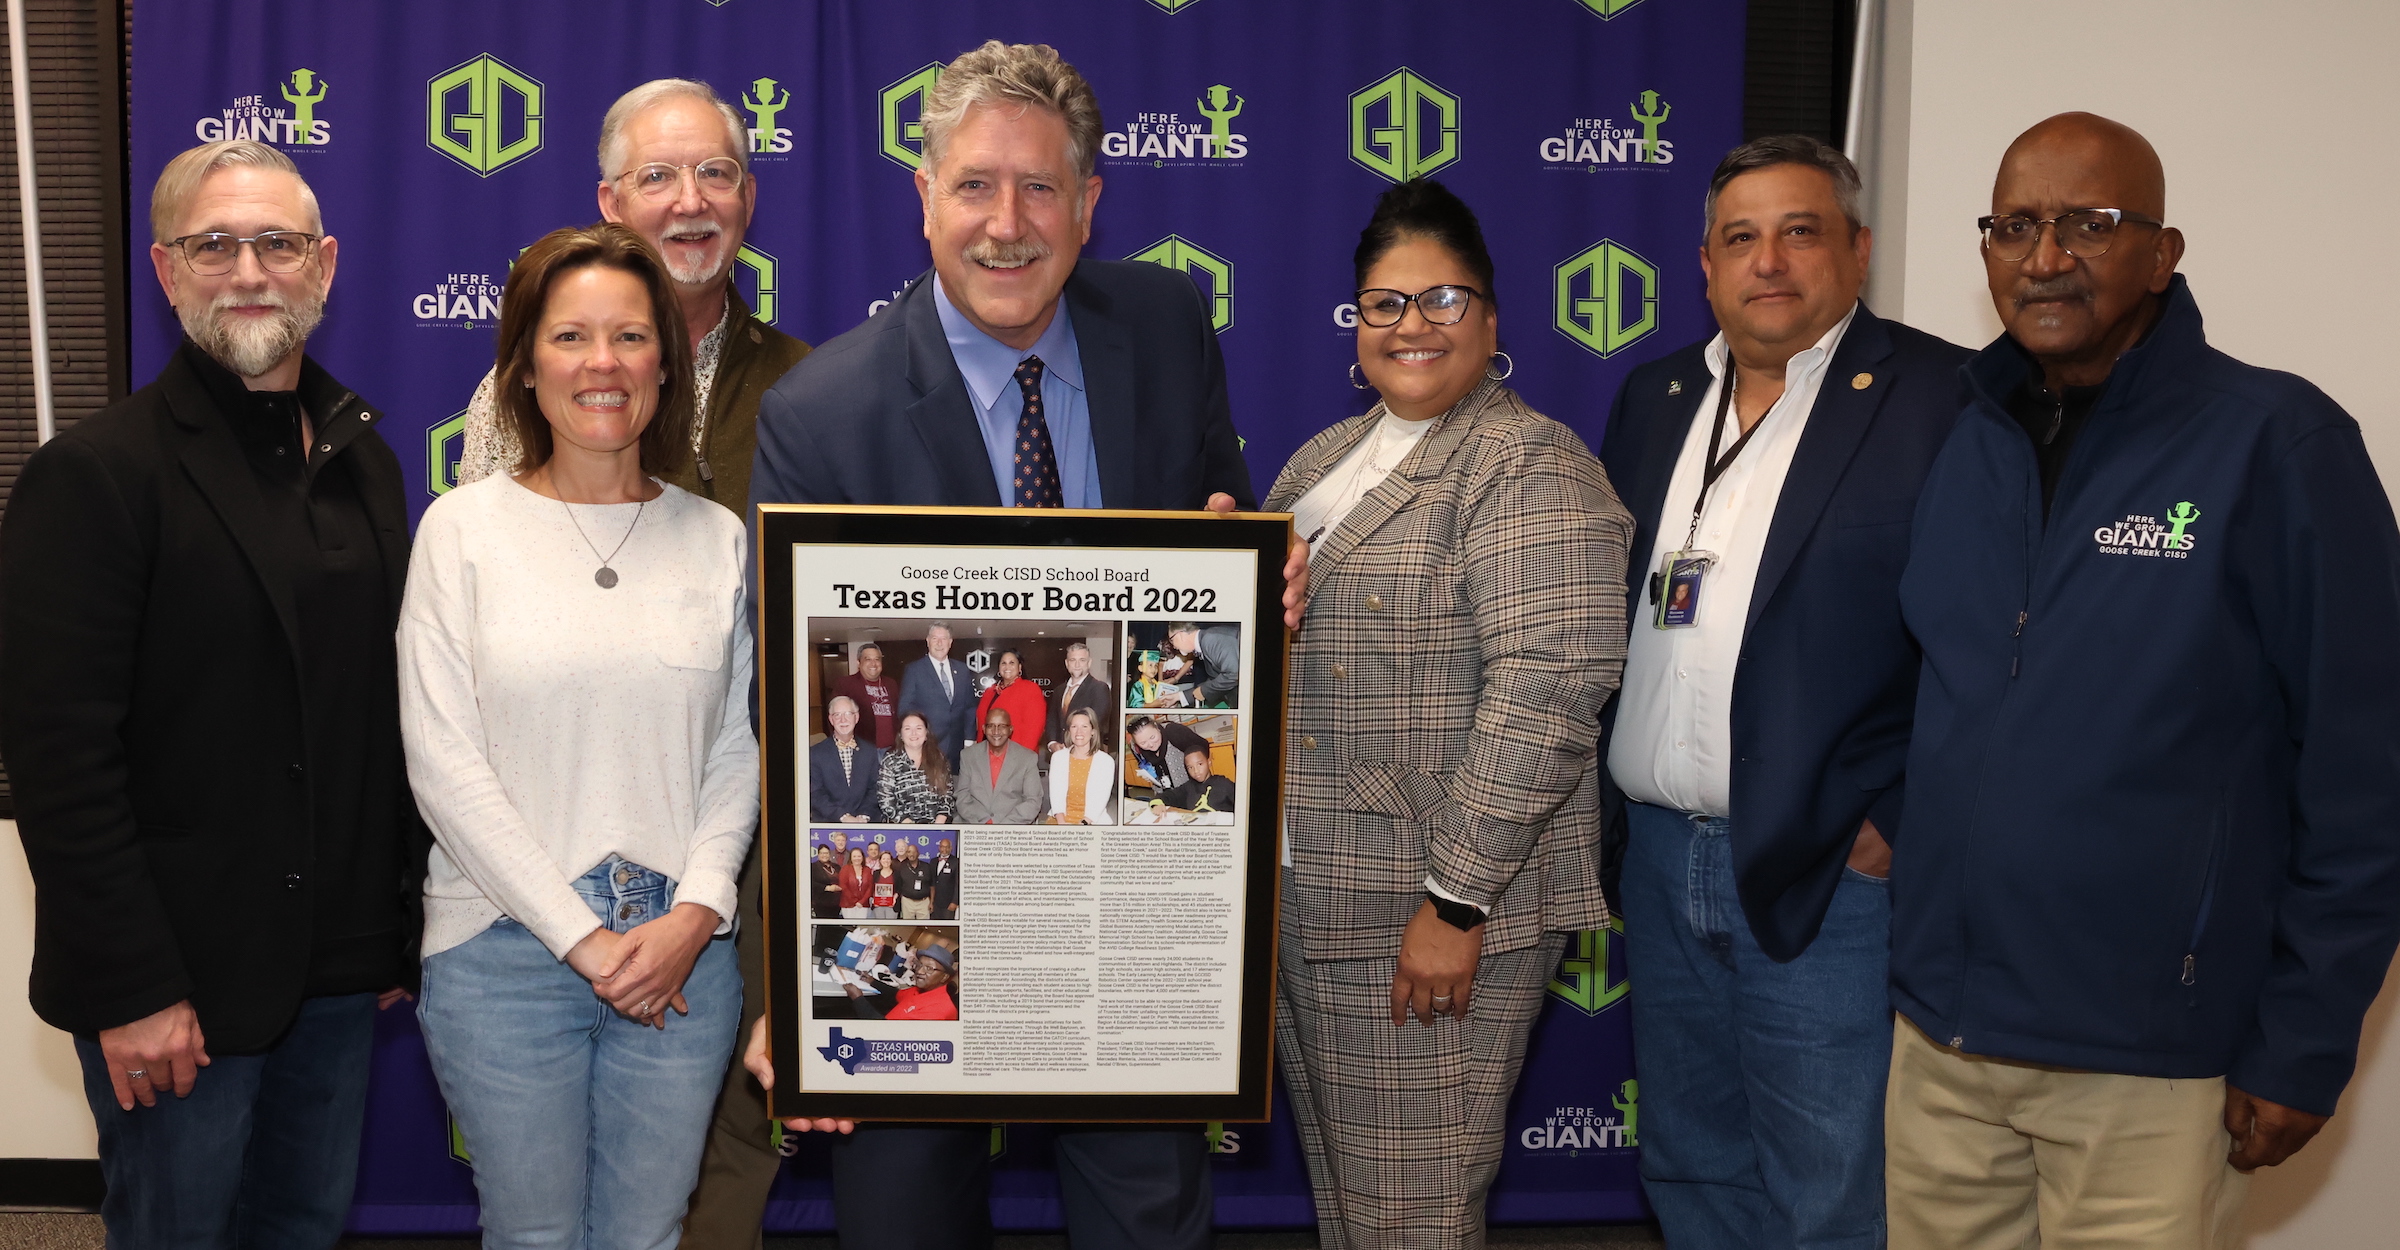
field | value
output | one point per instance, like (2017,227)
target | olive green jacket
(753,357)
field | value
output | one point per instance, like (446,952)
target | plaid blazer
(1466,622)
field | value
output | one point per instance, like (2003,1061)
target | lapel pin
(1862,381)
(1675,387)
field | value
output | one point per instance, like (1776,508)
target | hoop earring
(1503,375)
(1355,384)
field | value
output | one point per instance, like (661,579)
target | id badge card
(1676,587)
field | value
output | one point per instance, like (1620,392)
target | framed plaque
(1022,775)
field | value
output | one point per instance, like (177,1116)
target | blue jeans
(585,1127)
(261,1155)
(1761,1082)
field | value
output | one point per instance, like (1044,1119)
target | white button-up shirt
(1674,737)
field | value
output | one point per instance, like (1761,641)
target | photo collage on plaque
(920,728)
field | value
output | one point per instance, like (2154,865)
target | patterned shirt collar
(704,373)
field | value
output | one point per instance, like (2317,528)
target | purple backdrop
(1247,141)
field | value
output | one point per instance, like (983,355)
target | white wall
(42,1116)
(2274,121)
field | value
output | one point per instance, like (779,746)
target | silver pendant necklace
(606,576)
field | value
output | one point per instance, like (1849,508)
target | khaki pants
(916,908)
(1994,1154)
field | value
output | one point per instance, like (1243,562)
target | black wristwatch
(1460,916)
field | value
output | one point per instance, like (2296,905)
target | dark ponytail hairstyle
(1425,209)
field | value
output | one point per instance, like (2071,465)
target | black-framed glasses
(2086,233)
(1438,305)
(718,177)
(214,253)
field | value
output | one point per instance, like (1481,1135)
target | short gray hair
(1775,150)
(655,91)
(1014,73)
(172,196)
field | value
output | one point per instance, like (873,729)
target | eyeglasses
(214,254)
(2084,234)
(1438,305)
(718,178)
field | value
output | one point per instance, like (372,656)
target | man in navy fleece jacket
(2150,877)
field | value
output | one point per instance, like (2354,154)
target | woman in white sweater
(575,665)
(1082,778)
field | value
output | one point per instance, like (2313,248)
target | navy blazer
(1825,690)
(881,415)
(946,720)
(831,798)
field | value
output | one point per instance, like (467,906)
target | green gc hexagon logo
(1584,979)
(901,105)
(754,275)
(484,114)
(1214,273)
(1174,6)
(1595,305)
(1403,126)
(445,445)
(1607,9)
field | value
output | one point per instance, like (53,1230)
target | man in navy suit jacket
(949,710)
(1016,373)
(1755,755)
(835,793)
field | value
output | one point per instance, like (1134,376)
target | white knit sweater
(550,722)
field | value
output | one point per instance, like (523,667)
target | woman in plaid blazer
(1466,622)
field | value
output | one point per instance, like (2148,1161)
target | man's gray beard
(251,346)
(707,271)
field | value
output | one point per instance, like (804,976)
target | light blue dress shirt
(989,367)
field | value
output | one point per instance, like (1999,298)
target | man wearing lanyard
(1755,753)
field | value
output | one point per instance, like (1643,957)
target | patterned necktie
(1037,462)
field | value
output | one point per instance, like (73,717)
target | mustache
(2064,286)
(989,251)
(702,229)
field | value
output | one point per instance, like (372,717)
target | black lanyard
(1714,467)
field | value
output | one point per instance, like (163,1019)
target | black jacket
(1827,680)
(1094,694)
(151,716)
(830,797)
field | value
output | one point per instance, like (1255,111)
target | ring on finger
(138,1074)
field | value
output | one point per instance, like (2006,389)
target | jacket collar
(1420,470)
(742,338)
(943,414)
(1844,411)
(2174,342)
(213,458)
(1106,347)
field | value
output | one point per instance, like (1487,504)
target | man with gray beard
(199,706)
(675,166)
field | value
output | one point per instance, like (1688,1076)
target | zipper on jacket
(2208,899)
(2016,645)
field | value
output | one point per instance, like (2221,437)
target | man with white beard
(199,705)
(675,166)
